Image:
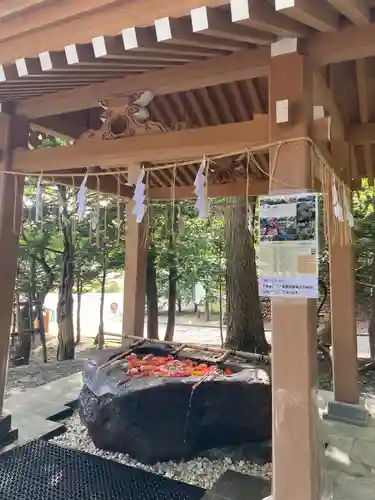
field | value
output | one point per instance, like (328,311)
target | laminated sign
(288,246)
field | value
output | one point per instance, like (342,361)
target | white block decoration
(139,209)
(201,203)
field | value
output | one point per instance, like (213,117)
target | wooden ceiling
(167,42)
(111,46)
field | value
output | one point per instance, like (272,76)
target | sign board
(288,246)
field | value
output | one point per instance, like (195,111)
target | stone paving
(349,462)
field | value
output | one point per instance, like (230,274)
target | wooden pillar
(294,320)
(135,269)
(13,133)
(343,307)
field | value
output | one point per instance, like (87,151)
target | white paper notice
(288,247)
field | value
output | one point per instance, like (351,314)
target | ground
(202,471)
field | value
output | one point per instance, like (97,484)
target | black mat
(44,471)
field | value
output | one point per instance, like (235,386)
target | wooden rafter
(29,34)
(218,24)
(317,13)
(355,10)
(238,66)
(179,31)
(323,96)
(261,15)
(255,188)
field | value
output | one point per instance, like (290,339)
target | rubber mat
(44,471)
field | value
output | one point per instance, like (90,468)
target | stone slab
(363,452)
(347,413)
(36,411)
(236,486)
(8,434)
(50,401)
(332,427)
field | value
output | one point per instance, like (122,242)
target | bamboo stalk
(218,350)
(123,354)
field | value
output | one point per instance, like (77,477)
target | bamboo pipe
(218,350)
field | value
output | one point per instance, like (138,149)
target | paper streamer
(139,209)
(201,203)
(337,208)
(348,214)
(39,200)
(250,217)
(81,199)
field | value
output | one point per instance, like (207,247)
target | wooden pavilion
(227,76)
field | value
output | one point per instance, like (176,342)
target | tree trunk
(102,295)
(179,305)
(172,282)
(245,329)
(207,311)
(65,349)
(371,328)
(152,295)
(79,303)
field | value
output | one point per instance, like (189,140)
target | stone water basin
(160,418)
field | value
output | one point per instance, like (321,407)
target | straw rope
(320,168)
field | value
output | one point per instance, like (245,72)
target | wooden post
(343,308)
(135,270)
(294,320)
(13,133)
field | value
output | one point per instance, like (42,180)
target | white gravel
(201,471)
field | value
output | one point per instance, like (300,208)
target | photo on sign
(289,218)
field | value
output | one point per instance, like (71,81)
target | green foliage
(198,247)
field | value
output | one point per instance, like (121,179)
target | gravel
(203,471)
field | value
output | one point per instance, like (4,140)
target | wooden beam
(355,10)
(113,48)
(291,79)
(179,31)
(363,99)
(317,13)
(350,43)
(63,23)
(323,48)
(133,318)
(256,188)
(360,134)
(218,24)
(323,96)
(241,65)
(159,147)
(139,40)
(164,147)
(12,130)
(261,15)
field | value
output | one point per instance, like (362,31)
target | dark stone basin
(161,419)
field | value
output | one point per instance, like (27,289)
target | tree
(245,325)
(65,349)
(152,294)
